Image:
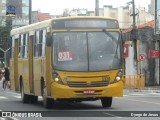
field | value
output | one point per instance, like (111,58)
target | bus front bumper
(59,91)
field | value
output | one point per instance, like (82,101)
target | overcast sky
(57,6)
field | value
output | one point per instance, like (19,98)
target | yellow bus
(67,59)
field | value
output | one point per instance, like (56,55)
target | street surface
(132,101)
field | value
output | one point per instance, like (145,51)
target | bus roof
(47,23)
(31,27)
(72,17)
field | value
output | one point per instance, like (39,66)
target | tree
(5,33)
(5,42)
(66,12)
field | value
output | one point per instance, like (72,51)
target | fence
(134,81)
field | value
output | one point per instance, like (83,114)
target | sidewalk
(148,89)
(1,89)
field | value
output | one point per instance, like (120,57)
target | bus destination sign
(84,24)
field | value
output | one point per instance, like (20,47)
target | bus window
(26,46)
(36,46)
(21,46)
(104,51)
(70,50)
(39,43)
(12,49)
(43,42)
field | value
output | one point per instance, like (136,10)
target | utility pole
(155,18)
(134,15)
(97,7)
(157,36)
(134,35)
(30,11)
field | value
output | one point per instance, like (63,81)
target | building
(2,12)
(78,12)
(22,12)
(21,17)
(120,13)
(123,15)
(90,13)
(37,16)
(151,7)
(147,46)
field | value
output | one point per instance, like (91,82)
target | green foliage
(5,42)
(5,37)
(5,30)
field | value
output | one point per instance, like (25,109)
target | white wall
(129,61)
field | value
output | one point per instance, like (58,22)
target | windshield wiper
(110,35)
(117,42)
(113,38)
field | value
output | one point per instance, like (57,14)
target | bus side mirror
(49,41)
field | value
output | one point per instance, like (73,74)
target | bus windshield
(86,51)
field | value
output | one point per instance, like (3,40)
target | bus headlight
(119,75)
(57,78)
(118,78)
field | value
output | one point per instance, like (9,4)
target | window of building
(25,2)
(25,11)
(3,12)
(4,1)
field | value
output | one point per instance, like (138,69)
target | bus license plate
(88,92)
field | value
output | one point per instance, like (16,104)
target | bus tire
(47,102)
(106,102)
(33,99)
(25,98)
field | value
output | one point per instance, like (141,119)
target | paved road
(132,101)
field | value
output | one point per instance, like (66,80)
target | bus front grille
(86,84)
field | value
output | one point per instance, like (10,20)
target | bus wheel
(47,102)
(106,102)
(34,99)
(25,98)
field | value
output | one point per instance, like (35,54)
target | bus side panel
(12,74)
(15,70)
(37,73)
(48,70)
(44,63)
(30,61)
(23,67)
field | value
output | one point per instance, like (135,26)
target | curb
(143,90)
